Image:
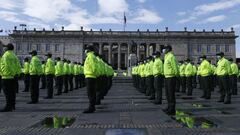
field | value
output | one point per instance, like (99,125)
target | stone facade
(116,46)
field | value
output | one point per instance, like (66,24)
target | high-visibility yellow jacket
(170,65)
(205,68)
(26,68)
(189,70)
(157,67)
(59,69)
(223,67)
(35,67)
(90,66)
(10,65)
(49,67)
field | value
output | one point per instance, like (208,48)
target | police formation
(152,74)
(96,74)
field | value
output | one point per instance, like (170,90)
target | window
(218,48)
(56,47)
(190,48)
(208,48)
(199,48)
(226,48)
(47,47)
(29,47)
(38,47)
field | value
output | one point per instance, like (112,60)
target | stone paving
(124,111)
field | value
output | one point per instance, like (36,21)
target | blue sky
(108,14)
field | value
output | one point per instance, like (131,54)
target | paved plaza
(124,111)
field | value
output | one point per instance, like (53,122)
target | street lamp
(23,26)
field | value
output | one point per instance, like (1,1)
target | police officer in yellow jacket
(150,79)
(233,77)
(223,71)
(9,67)
(26,74)
(66,75)
(158,77)
(182,76)
(75,74)
(59,75)
(205,73)
(49,73)
(170,72)
(70,75)
(189,76)
(35,70)
(90,73)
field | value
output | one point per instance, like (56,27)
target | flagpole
(124,21)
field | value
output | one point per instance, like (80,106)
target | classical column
(138,51)
(147,50)
(157,47)
(128,53)
(100,48)
(110,54)
(119,56)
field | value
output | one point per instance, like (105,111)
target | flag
(125,19)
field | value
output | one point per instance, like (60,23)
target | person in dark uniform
(9,67)
(26,75)
(49,73)
(171,71)
(35,70)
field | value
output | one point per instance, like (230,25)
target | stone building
(116,46)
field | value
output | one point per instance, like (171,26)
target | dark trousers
(34,87)
(211,83)
(49,79)
(142,84)
(183,84)
(70,79)
(189,85)
(43,81)
(233,82)
(177,84)
(150,88)
(206,86)
(170,85)
(158,84)
(65,83)
(76,79)
(99,90)
(59,83)
(26,82)
(91,91)
(8,86)
(16,84)
(194,81)
(224,87)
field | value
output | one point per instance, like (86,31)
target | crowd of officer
(60,74)
(152,74)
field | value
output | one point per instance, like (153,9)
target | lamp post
(23,26)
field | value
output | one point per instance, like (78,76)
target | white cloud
(189,19)
(7,4)
(211,7)
(146,16)
(10,16)
(46,10)
(141,1)
(112,7)
(235,26)
(214,19)
(181,13)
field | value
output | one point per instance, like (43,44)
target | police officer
(43,77)
(9,67)
(189,75)
(49,73)
(233,77)
(70,75)
(59,75)
(90,76)
(182,76)
(150,79)
(170,73)
(205,73)
(26,74)
(223,71)
(66,75)
(158,77)
(35,70)
(76,74)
